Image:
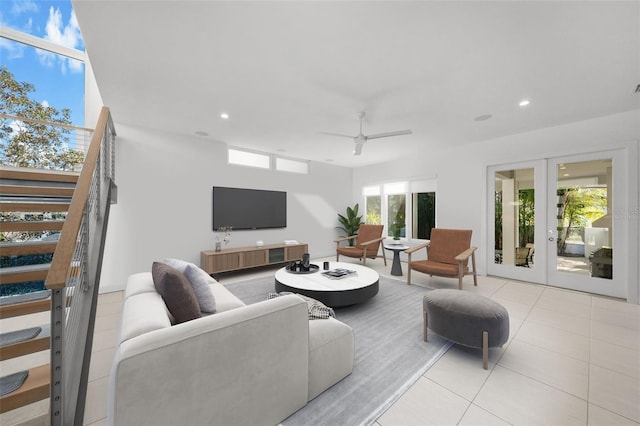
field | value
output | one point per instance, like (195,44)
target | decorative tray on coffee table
(312,268)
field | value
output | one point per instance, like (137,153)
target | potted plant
(351,222)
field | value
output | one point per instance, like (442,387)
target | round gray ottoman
(466,318)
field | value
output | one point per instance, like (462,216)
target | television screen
(249,208)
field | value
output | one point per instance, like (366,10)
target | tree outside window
(396,214)
(424,214)
(374,209)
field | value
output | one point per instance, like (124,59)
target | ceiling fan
(361,138)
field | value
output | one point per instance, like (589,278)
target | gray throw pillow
(176,291)
(178,264)
(201,281)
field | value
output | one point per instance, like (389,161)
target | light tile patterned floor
(571,359)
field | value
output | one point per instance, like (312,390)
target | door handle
(551,239)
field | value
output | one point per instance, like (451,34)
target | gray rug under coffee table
(390,353)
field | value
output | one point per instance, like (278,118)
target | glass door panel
(584,244)
(517,222)
(582,193)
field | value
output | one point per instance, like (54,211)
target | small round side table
(396,268)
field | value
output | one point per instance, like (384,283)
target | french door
(551,222)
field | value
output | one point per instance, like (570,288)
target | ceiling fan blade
(336,134)
(358,149)
(388,134)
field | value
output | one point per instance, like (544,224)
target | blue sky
(59,81)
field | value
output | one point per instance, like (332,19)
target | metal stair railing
(75,274)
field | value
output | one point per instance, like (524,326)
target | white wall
(164,202)
(461,172)
(92,99)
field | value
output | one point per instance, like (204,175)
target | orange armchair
(367,244)
(448,254)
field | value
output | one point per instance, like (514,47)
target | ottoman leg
(425,323)
(485,350)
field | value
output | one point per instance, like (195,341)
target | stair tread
(37,343)
(11,310)
(34,206)
(38,332)
(25,297)
(24,268)
(36,190)
(25,273)
(34,388)
(24,225)
(21,173)
(24,248)
(8,200)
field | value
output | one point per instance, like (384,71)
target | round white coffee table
(349,290)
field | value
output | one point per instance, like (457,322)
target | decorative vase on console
(223,235)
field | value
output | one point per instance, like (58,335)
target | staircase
(26,194)
(56,226)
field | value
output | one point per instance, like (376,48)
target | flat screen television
(243,208)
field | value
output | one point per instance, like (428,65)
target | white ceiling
(285,71)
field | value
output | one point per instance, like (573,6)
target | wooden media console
(250,257)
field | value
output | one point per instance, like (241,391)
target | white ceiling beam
(43,44)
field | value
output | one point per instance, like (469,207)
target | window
(423,205)
(407,209)
(396,215)
(41,44)
(373,205)
(248,158)
(294,166)
(396,202)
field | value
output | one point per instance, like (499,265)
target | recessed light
(201,133)
(524,102)
(566,174)
(224,116)
(483,117)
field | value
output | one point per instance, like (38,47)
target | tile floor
(571,359)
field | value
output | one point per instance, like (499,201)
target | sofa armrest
(243,366)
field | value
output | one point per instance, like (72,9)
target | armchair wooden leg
(409,269)
(460,275)
(473,263)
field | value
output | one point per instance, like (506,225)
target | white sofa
(244,365)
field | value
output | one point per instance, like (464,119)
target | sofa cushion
(225,300)
(178,264)
(176,291)
(139,283)
(141,314)
(199,280)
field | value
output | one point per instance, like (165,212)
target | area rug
(390,354)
